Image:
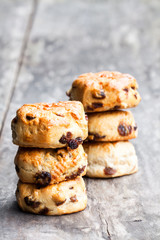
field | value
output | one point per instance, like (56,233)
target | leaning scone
(53,125)
(57,199)
(48,166)
(111,126)
(104,91)
(107,160)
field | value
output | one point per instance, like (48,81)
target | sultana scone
(48,166)
(56,199)
(52,125)
(111,126)
(108,160)
(104,91)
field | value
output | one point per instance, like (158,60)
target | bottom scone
(57,199)
(107,160)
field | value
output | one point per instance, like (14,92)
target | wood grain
(73,37)
(14,19)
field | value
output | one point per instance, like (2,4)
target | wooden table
(44,46)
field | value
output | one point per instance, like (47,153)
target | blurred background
(45,45)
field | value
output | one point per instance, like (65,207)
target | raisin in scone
(108,160)
(48,166)
(56,199)
(104,91)
(52,125)
(111,126)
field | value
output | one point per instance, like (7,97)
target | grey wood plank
(73,37)
(14,17)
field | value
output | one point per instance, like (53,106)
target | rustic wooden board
(69,38)
(14,19)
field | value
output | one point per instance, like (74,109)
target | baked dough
(57,199)
(108,160)
(104,91)
(111,126)
(52,125)
(49,166)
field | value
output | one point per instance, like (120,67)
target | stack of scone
(102,94)
(50,161)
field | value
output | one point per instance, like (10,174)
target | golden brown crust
(105,90)
(56,199)
(108,160)
(111,126)
(50,125)
(49,166)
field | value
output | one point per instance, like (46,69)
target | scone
(57,199)
(111,126)
(105,91)
(48,166)
(108,160)
(52,125)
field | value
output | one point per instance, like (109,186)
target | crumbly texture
(108,160)
(57,199)
(52,125)
(48,166)
(104,91)
(111,126)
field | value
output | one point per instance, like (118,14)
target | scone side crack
(74,175)
(95,136)
(38,182)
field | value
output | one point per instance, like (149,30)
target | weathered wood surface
(14,17)
(69,38)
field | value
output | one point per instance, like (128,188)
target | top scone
(105,91)
(52,125)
